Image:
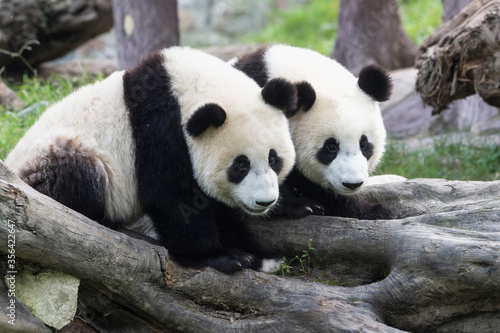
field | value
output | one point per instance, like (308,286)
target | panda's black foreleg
(191,236)
(357,207)
(295,205)
(70,174)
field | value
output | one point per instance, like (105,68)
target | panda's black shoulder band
(375,82)
(204,117)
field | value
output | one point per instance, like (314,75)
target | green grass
(314,23)
(420,17)
(446,158)
(36,94)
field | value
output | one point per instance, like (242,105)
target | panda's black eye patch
(328,152)
(366,147)
(275,162)
(239,169)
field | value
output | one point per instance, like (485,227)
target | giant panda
(337,129)
(181,137)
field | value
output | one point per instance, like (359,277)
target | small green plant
(300,263)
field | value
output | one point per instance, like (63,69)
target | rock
(79,67)
(220,22)
(17,318)
(9,99)
(384,179)
(405,115)
(51,296)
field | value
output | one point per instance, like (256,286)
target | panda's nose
(352,186)
(265,203)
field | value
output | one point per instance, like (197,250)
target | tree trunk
(142,27)
(370,32)
(438,269)
(48,29)
(460,58)
(471,112)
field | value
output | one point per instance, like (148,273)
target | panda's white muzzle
(258,192)
(347,173)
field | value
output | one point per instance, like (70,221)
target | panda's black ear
(206,116)
(306,96)
(281,94)
(375,82)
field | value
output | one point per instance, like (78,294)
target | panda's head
(339,135)
(241,147)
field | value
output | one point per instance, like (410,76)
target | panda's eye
(275,162)
(243,165)
(328,152)
(366,147)
(363,143)
(332,148)
(239,169)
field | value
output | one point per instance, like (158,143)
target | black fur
(328,152)
(254,66)
(306,96)
(239,169)
(71,175)
(301,197)
(366,147)
(275,161)
(375,82)
(281,94)
(184,217)
(207,115)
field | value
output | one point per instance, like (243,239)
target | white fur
(270,265)
(257,186)
(106,131)
(96,116)
(342,111)
(252,128)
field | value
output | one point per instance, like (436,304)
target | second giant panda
(337,129)
(181,137)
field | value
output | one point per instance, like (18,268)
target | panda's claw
(320,209)
(309,209)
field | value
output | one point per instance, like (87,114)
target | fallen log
(460,58)
(436,269)
(34,31)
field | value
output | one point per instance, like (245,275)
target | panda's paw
(381,212)
(302,207)
(233,261)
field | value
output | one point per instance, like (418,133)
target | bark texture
(452,8)
(48,29)
(142,27)
(370,32)
(460,58)
(435,270)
